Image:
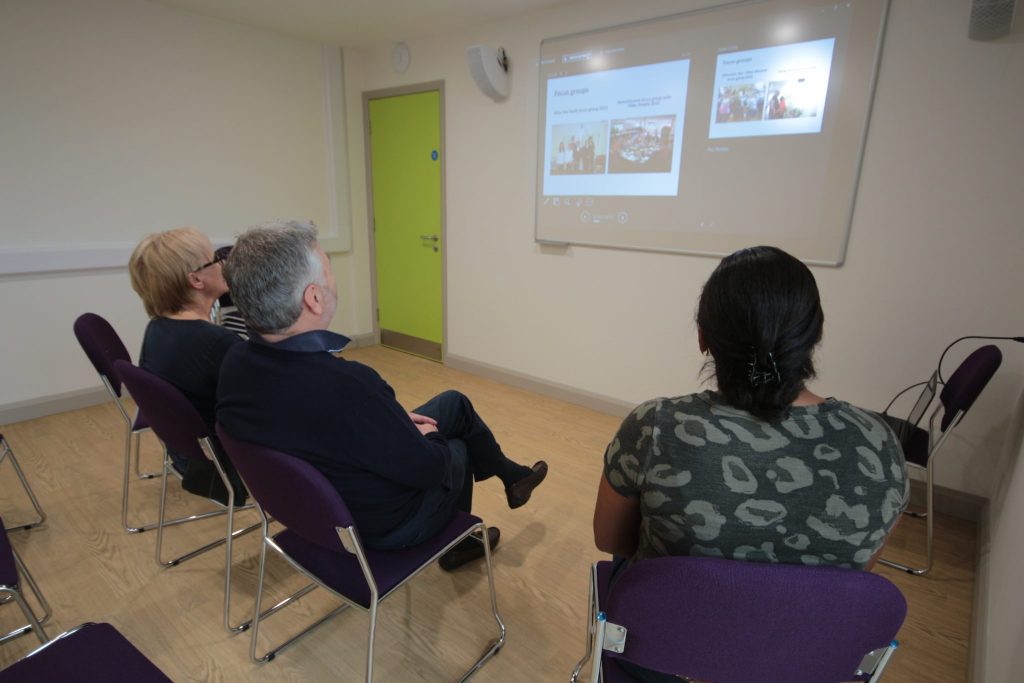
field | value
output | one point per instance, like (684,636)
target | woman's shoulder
(201,332)
(671,406)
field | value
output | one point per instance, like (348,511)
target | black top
(188,354)
(295,396)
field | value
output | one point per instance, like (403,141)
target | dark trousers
(475,456)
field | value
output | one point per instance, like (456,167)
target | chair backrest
(290,490)
(102,346)
(90,653)
(8,569)
(171,416)
(924,400)
(729,621)
(967,382)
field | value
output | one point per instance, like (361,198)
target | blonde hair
(160,266)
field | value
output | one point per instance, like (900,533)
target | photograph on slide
(642,145)
(769,91)
(579,148)
(743,102)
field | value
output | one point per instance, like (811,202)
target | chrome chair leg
(139,474)
(34,587)
(591,620)
(930,526)
(41,515)
(229,538)
(162,523)
(34,623)
(495,645)
(257,615)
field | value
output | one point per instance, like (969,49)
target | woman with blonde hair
(179,278)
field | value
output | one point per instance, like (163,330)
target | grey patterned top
(821,486)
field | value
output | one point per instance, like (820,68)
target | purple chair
(12,570)
(734,622)
(320,540)
(90,653)
(7,454)
(920,445)
(177,424)
(104,347)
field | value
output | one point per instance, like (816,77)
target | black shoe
(519,493)
(468,549)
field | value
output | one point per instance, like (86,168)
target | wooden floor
(430,630)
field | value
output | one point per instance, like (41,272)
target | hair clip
(761,375)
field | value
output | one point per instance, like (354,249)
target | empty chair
(90,653)
(178,425)
(7,454)
(921,444)
(734,622)
(12,570)
(104,347)
(320,539)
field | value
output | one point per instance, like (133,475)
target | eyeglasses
(216,259)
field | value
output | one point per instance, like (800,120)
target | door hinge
(378,314)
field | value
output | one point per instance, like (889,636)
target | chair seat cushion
(341,572)
(94,653)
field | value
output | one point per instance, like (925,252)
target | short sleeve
(629,449)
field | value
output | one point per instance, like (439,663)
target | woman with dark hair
(761,469)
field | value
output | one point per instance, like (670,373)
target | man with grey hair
(401,474)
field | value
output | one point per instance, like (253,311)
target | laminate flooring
(430,630)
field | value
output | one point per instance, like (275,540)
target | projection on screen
(709,131)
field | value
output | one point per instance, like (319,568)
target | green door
(405,157)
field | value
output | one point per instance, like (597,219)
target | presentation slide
(772,91)
(616,132)
(709,130)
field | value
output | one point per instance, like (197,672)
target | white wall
(999,600)
(934,247)
(933,251)
(122,117)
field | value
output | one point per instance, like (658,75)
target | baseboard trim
(949,501)
(20,411)
(562,392)
(361,340)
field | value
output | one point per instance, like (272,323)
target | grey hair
(268,270)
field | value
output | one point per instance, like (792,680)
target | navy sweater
(295,396)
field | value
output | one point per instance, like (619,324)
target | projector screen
(709,131)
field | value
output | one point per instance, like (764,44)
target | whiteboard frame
(842,243)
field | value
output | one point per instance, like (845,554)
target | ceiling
(358,23)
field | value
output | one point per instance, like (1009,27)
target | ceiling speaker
(489,68)
(990,19)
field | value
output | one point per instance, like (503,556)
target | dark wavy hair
(760,317)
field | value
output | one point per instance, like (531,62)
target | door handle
(431,238)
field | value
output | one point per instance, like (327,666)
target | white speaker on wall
(489,69)
(991,19)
